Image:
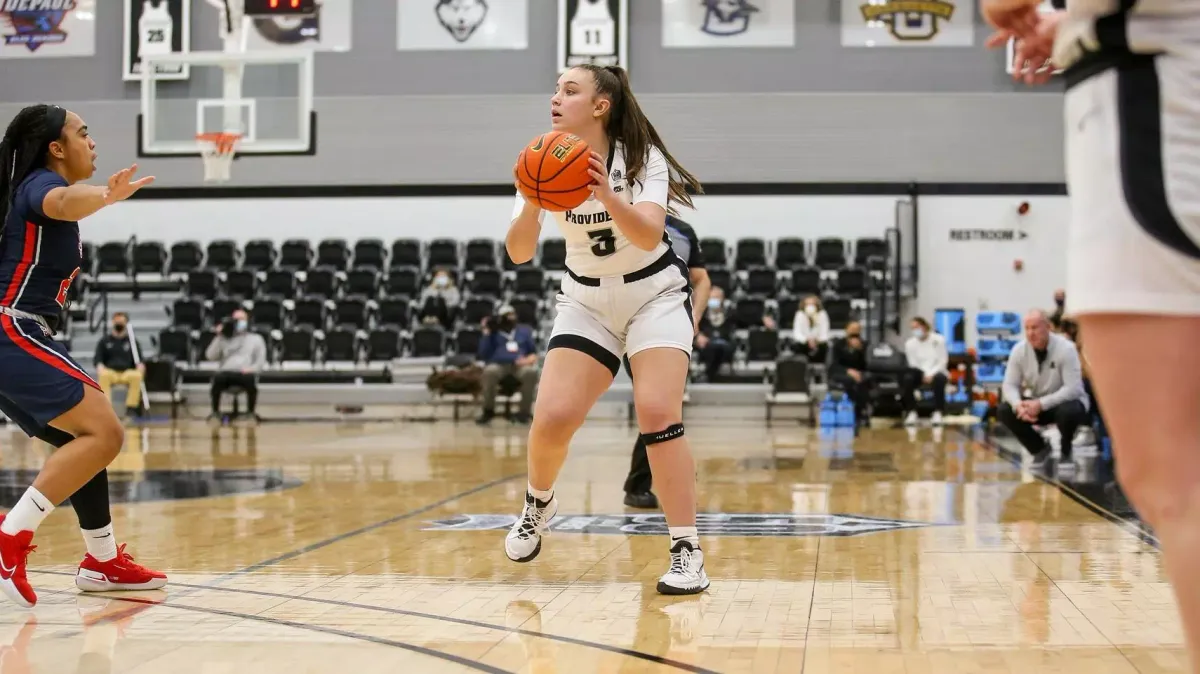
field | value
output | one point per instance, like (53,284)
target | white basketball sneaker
(686,575)
(524,540)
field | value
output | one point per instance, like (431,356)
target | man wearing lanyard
(507,348)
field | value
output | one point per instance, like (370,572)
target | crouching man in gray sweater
(1043,385)
(239,354)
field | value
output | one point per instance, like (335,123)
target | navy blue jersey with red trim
(39,256)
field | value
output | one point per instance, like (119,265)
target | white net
(218,150)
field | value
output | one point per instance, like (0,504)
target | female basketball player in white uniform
(625,292)
(1132,123)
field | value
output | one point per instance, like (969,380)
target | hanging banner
(593,31)
(1011,51)
(47,29)
(728,23)
(326,30)
(434,25)
(156,27)
(908,23)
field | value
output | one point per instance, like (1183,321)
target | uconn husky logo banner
(47,28)
(908,23)
(462,24)
(728,23)
(593,31)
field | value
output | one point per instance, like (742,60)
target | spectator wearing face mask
(714,339)
(239,355)
(116,365)
(848,369)
(508,349)
(440,300)
(927,363)
(810,330)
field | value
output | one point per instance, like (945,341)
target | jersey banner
(908,23)
(1011,51)
(326,30)
(156,27)
(593,31)
(728,23)
(445,25)
(47,29)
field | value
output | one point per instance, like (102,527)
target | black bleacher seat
(370,253)
(852,282)
(475,309)
(352,310)
(295,255)
(342,343)
(362,280)
(526,307)
(507,264)
(298,345)
(790,252)
(829,253)
(322,281)
(480,253)
(466,341)
(223,307)
(428,341)
(788,306)
(188,312)
(149,257)
(530,280)
(715,252)
(806,281)
(312,311)
(486,281)
(383,343)
(760,281)
(762,344)
(241,284)
(113,258)
(442,253)
(748,312)
(200,343)
(88,264)
(333,253)
(407,253)
(395,310)
(202,283)
(403,280)
(870,247)
(259,255)
(176,342)
(268,311)
(186,256)
(554,255)
(280,282)
(265,331)
(222,255)
(840,312)
(750,252)
(722,278)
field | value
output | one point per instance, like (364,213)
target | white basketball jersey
(156,28)
(593,29)
(595,245)
(1151,26)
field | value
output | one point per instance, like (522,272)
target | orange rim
(224,142)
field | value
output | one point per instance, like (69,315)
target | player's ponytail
(628,124)
(24,147)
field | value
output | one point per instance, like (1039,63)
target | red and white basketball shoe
(118,573)
(14,551)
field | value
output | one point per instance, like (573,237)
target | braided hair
(25,147)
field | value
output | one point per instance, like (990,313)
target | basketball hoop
(218,150)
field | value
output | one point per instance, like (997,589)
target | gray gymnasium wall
(388,117)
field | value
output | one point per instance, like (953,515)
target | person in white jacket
(810,330)
(927,363)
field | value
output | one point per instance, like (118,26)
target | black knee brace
(673,431)
(54,437)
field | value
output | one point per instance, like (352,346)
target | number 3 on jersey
(606,243)
(65,287)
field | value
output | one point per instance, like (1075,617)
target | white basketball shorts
(610,316)
(1133,173)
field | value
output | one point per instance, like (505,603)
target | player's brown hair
(628,124)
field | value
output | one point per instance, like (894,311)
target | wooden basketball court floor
(317,547)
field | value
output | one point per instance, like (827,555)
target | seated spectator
(439,300)
(714,341)
(810,330)
(115,364)
(927,362)
(239,355)
(507,349)
(848,369)
(1043,385)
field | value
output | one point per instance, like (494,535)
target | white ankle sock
(28,514)
(101,543)
(540,495)
(684,533)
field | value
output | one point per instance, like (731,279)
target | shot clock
(263,8)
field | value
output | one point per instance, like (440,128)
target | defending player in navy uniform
(625,293)
(686,245)
(45,154)
(1132,125)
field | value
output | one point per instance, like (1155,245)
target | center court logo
(35,22)
(707,524)
(910,19)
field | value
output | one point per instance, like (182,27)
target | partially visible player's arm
(76,202)
(701,289)
(524,231)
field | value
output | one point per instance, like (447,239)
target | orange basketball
(553,171)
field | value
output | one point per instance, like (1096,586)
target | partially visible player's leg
(640,478)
